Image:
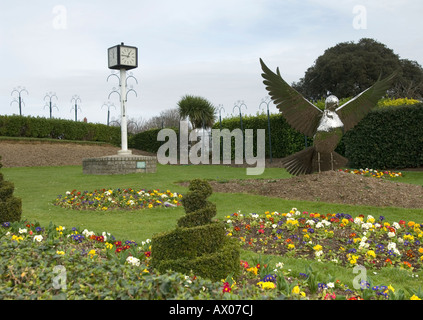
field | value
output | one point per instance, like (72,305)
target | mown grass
(38,187)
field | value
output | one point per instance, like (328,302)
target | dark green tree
(349,68)
(199,110)
(10,206)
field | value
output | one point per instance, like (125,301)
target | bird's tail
(309,160)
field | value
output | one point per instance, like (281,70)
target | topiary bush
(10,206)
(198,244)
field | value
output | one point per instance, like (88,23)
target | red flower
(226,287)
(147,253)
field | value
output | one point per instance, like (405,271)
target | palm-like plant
(199,111)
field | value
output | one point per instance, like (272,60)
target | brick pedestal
(119,164)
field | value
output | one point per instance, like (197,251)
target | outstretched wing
(357,108)
(300,113)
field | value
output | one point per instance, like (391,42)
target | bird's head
(331,103)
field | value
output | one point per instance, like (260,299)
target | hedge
(146,140)
(37,127)
(389,137)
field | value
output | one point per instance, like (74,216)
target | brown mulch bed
(332,187)
(37,154)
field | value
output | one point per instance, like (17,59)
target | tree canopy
(349,68)
(198,109)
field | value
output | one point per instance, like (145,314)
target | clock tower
(123,58)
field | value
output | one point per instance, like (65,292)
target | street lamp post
(220,116)
(266,101)
(49,104)
(75,99)
(19,90)
(108,105)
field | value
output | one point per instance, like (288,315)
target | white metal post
(124,123)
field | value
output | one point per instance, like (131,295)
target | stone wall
(119,165)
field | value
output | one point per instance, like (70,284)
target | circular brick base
(119,164)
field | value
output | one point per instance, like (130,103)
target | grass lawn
(38,187)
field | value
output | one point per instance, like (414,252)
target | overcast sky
(209,48)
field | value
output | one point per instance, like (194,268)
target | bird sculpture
(326,127)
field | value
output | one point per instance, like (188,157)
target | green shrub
(147,140)
(387,138)
(285,140)
(36,127)
(197,244)
(10,206)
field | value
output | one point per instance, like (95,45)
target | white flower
(330,285)
(391,234)
(132,260)
(318,253)
(310,222)
(229,221)
(358,220)
(38,238)
(319,225)
(274,225)
(366,225)
(87,233)
(279,265)
(396,225)
(164,196)
(68,192)
(22,230)
(105,235)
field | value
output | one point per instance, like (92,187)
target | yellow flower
(92,253)
(291,246)
(253,270)
(60,252)
(266,285)
(109,245)
(296,290)
(414,297)
(371,253)
(391,288)
(317,247)
(150,206)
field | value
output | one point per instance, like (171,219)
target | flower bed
(109,199)
(340,238)
(98,266)
(373,173)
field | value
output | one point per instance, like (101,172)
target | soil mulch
(332,187)
(39,154)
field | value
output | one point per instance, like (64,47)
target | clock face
(113,57)
(128,56)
